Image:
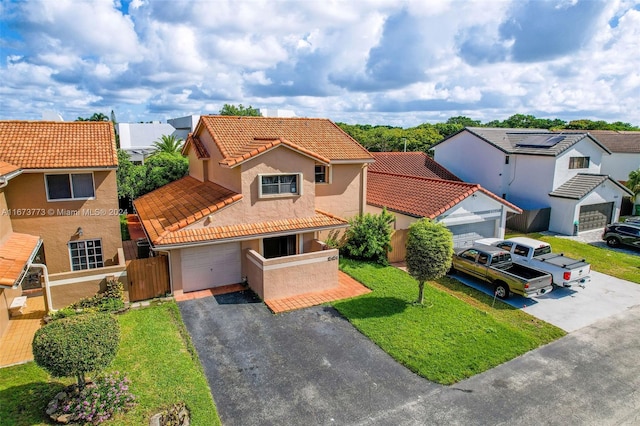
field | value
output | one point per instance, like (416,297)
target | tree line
(422,137)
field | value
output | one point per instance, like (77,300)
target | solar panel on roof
(541,141)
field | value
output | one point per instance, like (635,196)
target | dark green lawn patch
(620,265)
(155,353)
(455,335)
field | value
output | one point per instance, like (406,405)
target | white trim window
(86,254)
(579,162)
(280,185)
(70,186)
(322,174)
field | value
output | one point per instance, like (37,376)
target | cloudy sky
(356,61)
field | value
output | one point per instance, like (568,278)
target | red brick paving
(347,288)
(210,292)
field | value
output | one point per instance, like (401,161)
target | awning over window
(16,253)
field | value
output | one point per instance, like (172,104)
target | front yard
(459,332)
(155,353)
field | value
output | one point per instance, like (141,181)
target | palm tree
(634,184)
(168,143)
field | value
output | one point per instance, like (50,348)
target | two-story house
(625,152)
(535,168)
(66,194)
(260,194)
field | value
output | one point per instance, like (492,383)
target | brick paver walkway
(347,287)
(15,344)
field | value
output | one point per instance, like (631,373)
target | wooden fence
(398,245)
(148,278)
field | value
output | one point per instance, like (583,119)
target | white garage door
(211,266)
(465,235)
(594,216)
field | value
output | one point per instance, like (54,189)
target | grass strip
(454,335)
(155,353)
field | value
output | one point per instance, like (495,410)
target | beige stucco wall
(292,275)
(98,218)
(346,194)
(224,176)
(6,297)
(196,166)
(251,208)
(5,217)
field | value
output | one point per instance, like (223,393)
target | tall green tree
(168,143)
(228,109)
(429,252)
(634,182)
(97,116)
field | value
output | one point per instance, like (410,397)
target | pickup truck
(526,251)
(494,265)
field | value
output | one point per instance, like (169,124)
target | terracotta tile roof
(15,252)
(318,222)
(618,141)
(261,146)
(421,197)
(410,164)
(192,141)
(237,137)
(6,168)
(179,204)
(54,144)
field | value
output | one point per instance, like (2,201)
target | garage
(211,266)
(464,235)
(595,216)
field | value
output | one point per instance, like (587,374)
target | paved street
(312,367)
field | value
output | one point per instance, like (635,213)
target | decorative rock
(155,420)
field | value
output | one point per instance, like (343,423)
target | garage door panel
(595,216)
(211,266)
(464,235)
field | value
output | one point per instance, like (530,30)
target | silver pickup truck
(564,270)
(494,265)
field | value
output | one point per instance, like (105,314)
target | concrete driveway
(311,367)
(575,307)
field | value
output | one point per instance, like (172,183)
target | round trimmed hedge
(77,345)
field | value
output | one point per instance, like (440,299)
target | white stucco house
(625,152)
(137,138)
(536,168)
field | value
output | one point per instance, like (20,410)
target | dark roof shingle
(410,164)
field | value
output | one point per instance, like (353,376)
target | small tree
(429,252)
(161,169)
(240,110)
(168,143)
(77,345)
(369,237)
(634,182)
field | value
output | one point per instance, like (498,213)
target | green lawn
(455,335)
(610,262)
(155,353)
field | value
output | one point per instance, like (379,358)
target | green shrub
(369,237)
(77,345)
(110,300)
(124,229)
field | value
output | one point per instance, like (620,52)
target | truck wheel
(613,242)
(502,290)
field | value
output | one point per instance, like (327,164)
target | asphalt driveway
(311,367)
(575,307)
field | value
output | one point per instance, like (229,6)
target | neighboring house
(17,250)
(412,186)
(260,194)
(137,138)
(625,152)
(536,169)
(66,194)
(184,125)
